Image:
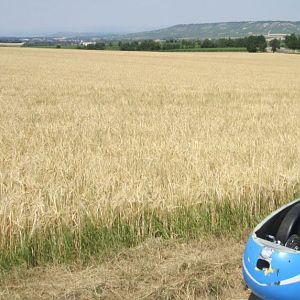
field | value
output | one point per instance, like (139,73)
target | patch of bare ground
(157,269)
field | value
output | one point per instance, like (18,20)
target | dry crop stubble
(155,269)
(122,141)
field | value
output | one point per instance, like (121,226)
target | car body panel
(279,279)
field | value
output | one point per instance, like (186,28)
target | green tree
(149,45)
(291,41)
(208,44)
(100,46)
(261,43)
(274,44)
(252,44)
(90,46)
(255,43)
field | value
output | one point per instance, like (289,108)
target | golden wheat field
(95,147)
(84,133)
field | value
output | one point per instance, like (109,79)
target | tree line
(251,43)
(173,44)
(292,42)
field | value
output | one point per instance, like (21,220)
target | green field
(11,44)
(116,48)
(52,46)
(208,50)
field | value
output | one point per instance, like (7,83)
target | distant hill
(84,35)
(219,30)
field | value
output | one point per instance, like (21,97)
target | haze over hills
(190,31)
(219,30)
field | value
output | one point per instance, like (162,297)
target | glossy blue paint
(279,282)
(278,277)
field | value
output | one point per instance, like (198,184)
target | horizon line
(120,32)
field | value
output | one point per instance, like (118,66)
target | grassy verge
(170,50)
(11,44)
(155,269)
(53,46)
(208,50)
(94,238)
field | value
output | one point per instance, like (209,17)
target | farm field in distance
(11,44)
(131,157)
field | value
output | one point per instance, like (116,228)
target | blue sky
(21,17)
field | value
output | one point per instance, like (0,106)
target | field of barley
(101,150)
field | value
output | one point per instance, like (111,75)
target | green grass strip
(96,239)
(207,50)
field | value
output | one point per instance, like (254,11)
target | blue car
(271,261)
